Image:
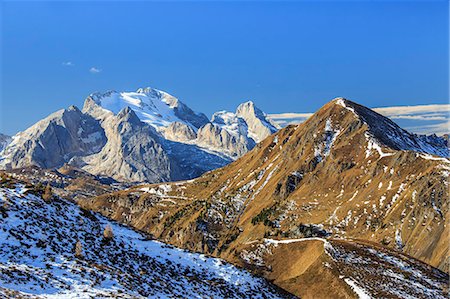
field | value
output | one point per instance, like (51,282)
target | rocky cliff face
(55,140)
(236,133)
(132,153)
(346,173)
(181,132)
(4,141)
(259,126)
(213,136)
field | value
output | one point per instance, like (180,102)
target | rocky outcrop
(55,140)
(213,136)
(4,141)
(132,152)
(259,126)
(236,133)
(181,132)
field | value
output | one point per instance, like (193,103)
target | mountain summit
(390,134)
(155,107)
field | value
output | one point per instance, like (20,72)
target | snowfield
(37,258)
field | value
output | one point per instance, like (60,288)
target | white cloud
(408,110)
(276,116)
(421,119)
(94,70)
(68,63)
(285,119)
(438,129)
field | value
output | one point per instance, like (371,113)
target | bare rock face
(174,158)
(213,136)
(259,126)
(132,152)
(55,140)
(4,141)
(236,133)
(177,131)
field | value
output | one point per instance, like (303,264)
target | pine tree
(47,193)
(78,249)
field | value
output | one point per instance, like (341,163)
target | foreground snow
(37,257)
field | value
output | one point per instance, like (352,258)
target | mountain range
(345,205)
(142,136)
(348,195)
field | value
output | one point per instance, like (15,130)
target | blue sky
(286,56)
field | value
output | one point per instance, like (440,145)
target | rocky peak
(249,108)
(77,134)
(127,114)
(231,122)
(157,108)
(259,125)
(156,93)
(177,131)
(73,108)
(388,133)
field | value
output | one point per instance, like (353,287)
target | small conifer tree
(47,196)
(78,249)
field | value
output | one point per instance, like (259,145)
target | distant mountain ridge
(142,136)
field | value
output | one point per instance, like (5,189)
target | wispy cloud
(94,70)
(285,119)
(408,110)
(421,119)
(438,129)
(68,63)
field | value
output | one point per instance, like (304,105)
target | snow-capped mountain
(154,107)
(53,249)
(142,136)
(230,134)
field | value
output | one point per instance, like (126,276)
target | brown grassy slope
(397,198)
(318,268)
